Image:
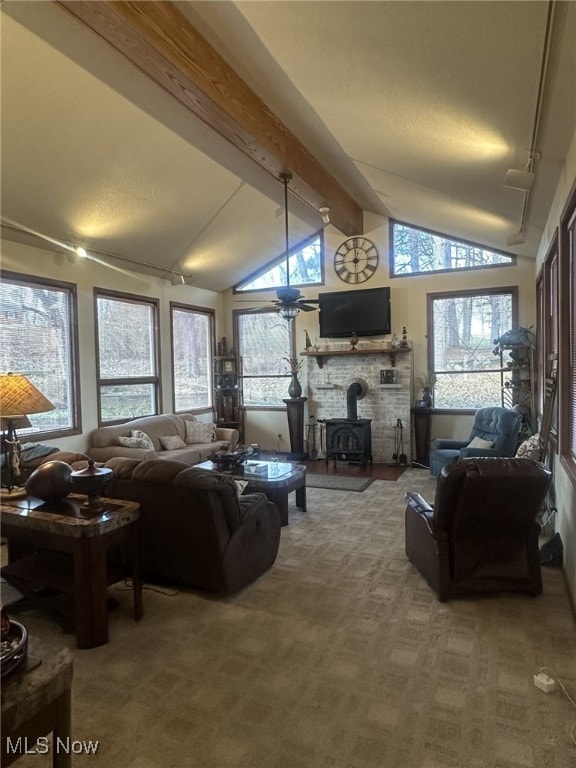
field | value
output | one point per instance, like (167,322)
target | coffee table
(41,537)
(277,479)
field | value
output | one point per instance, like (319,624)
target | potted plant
(427,382)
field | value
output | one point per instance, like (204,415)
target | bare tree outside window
(462,329)
(416,250)
(127,335)
(264,342)
(305,264)
(38,341)
(192,349)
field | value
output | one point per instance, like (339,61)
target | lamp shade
(19,397)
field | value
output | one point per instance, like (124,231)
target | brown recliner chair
(481,534)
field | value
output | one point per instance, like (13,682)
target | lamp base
(14,493)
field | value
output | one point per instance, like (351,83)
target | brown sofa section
(104,443)
(194,528)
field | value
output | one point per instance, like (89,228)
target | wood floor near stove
(322,467)
(377,471)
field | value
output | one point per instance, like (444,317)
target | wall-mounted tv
(363,312)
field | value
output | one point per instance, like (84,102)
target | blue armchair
(498,426)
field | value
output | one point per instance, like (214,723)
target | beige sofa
(105,445)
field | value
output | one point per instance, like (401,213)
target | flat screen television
(363,312)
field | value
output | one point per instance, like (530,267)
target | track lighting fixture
(325,213)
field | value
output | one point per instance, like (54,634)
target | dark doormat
(338,482)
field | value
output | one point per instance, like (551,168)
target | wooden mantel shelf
(384,350)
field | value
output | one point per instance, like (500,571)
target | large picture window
(39,340)
(568,341)
(127,344)
(415,251)
(265,340)
(461,331)
(192,350)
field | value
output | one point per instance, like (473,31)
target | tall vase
(295,388)
(427,397)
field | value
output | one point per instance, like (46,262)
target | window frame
(452,238)
(567,340)
(211,315)
(548,329)
(71,289)
(279,260)
(236,313)
(463,293)
(155,380)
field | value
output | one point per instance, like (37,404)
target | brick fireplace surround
(384,404)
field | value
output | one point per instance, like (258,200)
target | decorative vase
(295,388)
(427,397)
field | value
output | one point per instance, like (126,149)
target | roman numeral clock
(356,260)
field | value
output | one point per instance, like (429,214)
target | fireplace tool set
(399,457)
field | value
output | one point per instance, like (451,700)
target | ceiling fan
(289,301)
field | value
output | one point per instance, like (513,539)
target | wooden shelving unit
(228,401)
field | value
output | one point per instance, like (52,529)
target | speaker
(552,552)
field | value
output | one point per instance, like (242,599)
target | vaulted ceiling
(156,131)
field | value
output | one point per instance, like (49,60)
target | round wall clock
(355,260)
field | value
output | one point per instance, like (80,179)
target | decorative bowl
(14,647)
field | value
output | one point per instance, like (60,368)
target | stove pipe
(352,393)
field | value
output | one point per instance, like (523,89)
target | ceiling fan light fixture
(288,312)
(519,179)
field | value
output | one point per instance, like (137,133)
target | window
(264,341)
(415,251)
(305,263)
(127,353)
(567,358)
(39,340)
(461,331)
(192,345)
(547,298)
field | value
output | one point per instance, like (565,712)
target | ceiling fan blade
(306,307)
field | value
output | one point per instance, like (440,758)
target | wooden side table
(36,703)
(59,528)
(422,418)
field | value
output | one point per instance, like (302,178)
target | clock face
(356,260)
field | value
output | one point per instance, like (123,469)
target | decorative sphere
(51,481)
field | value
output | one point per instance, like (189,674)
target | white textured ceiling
(417,108)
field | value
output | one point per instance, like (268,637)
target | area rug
(339,656)
(338,482)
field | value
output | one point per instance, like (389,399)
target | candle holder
(91,481)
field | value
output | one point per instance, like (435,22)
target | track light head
(519,179)
(325,213)
(516,239)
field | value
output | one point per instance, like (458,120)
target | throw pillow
(200,432)
(479,442)
(134,442)
(529,448)
(146,439)
(172,442)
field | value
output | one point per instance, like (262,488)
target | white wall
(565,491)
(408,297)
(26,259)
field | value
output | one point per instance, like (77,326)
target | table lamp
(18,398)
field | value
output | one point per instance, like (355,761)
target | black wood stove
(349,440)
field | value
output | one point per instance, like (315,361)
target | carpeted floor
(338,482)
(339,657)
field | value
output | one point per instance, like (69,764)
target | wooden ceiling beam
(161,42)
